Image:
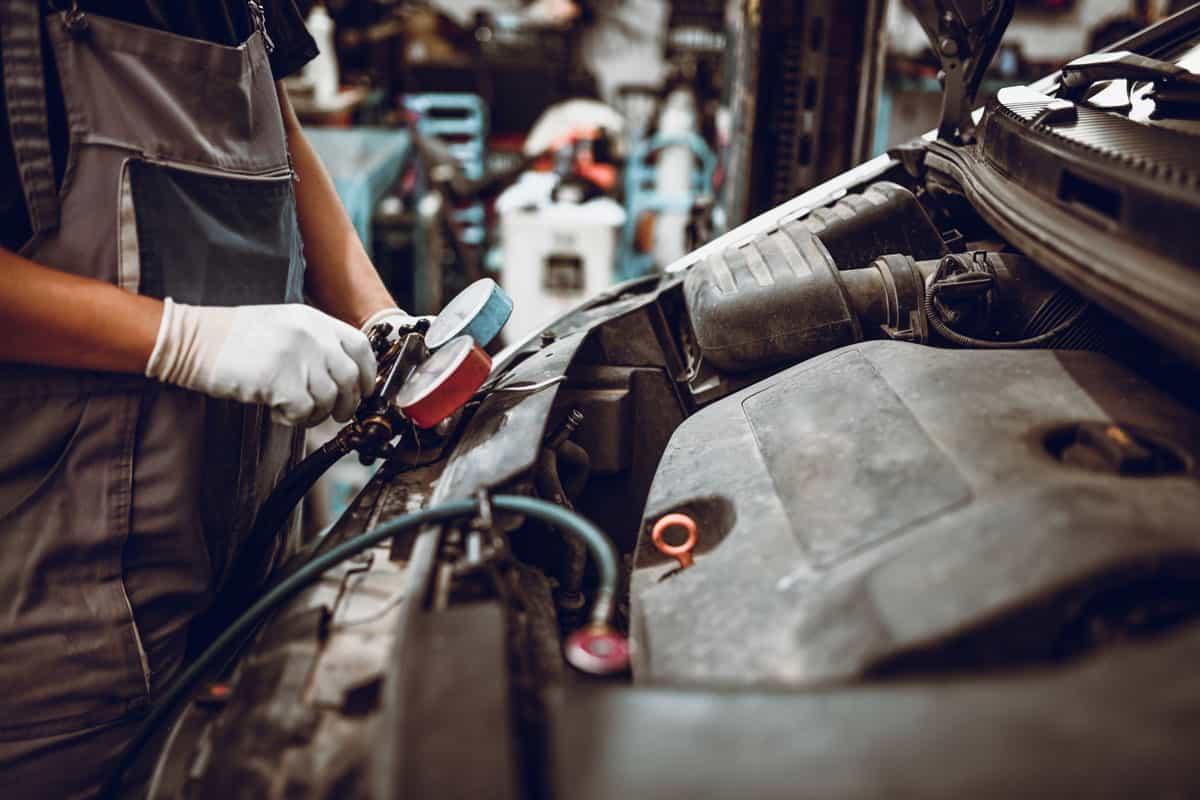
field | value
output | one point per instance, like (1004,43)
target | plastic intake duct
(884,218)
(780,298)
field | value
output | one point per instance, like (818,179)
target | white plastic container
(673,177)
(322,71)
(556,255)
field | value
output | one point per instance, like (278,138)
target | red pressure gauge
(444,382)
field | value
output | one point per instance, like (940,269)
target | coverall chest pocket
(241,244)
(72,652)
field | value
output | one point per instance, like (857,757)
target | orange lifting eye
(680,552)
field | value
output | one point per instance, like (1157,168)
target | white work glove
(396,317)
(301,363)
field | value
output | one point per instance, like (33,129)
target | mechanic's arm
(57,319)
(340,279)
(302,363)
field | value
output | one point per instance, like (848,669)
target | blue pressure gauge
(479,311)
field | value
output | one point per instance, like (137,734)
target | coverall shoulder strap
(25,98)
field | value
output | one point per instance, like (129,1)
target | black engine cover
(890,508)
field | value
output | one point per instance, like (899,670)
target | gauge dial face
(479,311)
(444,382)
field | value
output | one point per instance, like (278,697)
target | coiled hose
(599,545)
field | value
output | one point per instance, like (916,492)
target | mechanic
(162,219)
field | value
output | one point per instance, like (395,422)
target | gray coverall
(124,501)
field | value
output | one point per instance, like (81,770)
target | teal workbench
(364,163)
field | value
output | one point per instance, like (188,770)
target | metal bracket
(484,519)
(964,34)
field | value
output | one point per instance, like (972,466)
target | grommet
(598,650)
(680,552)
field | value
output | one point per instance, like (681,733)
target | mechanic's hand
(398,318)
(302,363)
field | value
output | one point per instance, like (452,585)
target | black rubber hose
(256,554)
(291,490)
(550,484)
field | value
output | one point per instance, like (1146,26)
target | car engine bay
(908,464)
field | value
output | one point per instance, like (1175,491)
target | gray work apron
(123,501)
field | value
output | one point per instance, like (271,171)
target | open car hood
(965,35)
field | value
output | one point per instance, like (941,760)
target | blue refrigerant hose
(569,521)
